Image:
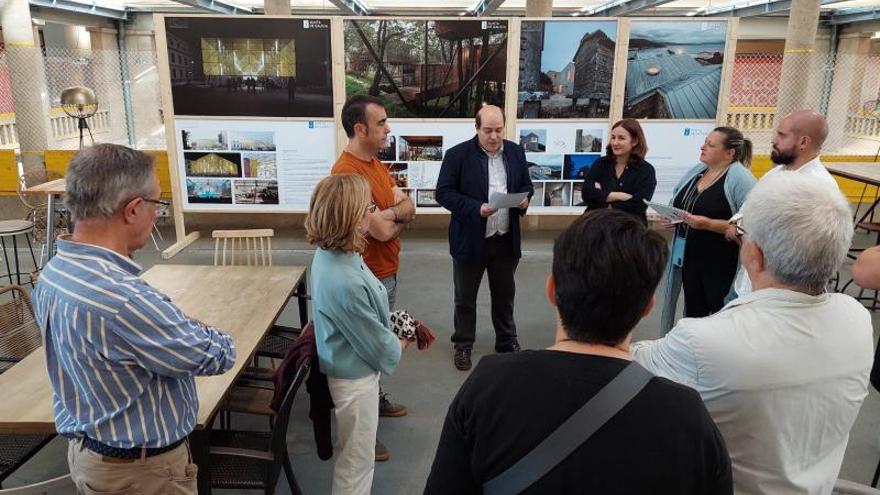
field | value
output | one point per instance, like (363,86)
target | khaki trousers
(164,474)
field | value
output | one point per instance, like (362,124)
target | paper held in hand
(669,213)
(501,200)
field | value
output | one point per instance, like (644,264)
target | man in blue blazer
(482,239)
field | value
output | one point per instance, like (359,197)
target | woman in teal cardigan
(702,260)
(352,324)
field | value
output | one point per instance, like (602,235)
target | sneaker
(514,347)
(390,409)
(382,453)
(462,359)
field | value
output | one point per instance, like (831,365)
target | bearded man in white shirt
(783,370)
(796,145)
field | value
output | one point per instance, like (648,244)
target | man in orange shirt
(366,125)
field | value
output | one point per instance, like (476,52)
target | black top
(710,250)
(662,442)
(638,179)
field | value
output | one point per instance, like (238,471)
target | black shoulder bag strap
(571,434)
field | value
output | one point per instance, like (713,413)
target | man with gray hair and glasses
(121,356)
(784,369)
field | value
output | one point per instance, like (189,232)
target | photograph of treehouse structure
(566,69)
(425,68)
(250,67)
(674,69)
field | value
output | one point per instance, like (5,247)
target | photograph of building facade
(566,69)
(427,68)
(250,67)
(213,164)
(674,69)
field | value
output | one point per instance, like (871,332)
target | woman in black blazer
(622,178)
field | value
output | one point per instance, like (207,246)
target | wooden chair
(19,336)
(63,485)
(19,333)
(243,247)
(253,460)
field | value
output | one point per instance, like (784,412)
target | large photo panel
(258,165)
(674,69)
(425,68)
(566,69)
(673,149)
(254,67)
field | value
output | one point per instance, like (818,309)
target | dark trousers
(500,263)
(704,289)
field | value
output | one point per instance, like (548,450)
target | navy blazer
(463,186)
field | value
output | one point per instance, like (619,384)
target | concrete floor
(427,381)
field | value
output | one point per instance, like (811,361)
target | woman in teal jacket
(702,260)
(352,324)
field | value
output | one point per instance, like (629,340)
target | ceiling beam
(765,8)
(352,7)
(81,8)
(619,8)
(485,7)
(217,6)
(851,16)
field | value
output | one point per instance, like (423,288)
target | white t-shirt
(814,167)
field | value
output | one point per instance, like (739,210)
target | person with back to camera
(702,259)
(352,323)
(622,178)
(660,439)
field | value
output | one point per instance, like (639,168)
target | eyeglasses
(161,204)
(372,208)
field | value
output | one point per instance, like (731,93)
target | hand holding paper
(508,200)
(668,213)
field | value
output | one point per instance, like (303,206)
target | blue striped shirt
(121,356)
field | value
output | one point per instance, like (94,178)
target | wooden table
(52,188)
(866,173)
(242,300)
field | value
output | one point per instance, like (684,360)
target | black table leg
(199,444)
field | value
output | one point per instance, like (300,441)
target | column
(276,7)
(105,72)
(539,8)
(846,89)
(29,97)
(800,40)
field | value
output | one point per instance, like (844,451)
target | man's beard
(782,158)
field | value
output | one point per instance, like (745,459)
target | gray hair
(803,226)
(100,178)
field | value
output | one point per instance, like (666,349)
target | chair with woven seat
(62,485)
(253,460)
(19,336)
(14,230)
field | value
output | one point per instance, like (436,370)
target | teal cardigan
(737,184)
(352,320)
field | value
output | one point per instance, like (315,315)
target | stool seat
(869,226)
(11,227)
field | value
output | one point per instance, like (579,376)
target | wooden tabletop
(868,173)
(241,300)
(57,186)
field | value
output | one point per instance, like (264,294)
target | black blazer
(638,179)
(463,186)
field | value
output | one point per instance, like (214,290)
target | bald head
(490,128)
(799,138)
(811,124)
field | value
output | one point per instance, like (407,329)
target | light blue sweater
(352,321)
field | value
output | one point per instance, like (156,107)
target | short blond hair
(337,206)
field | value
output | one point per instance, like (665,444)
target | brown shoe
(382,453)
(462,359)
(390,409)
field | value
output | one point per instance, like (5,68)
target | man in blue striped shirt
(121,356)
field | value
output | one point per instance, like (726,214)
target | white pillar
(539,8)
(276,7)
(800,40)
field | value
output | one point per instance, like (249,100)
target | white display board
(252,165)
(559,156)
(414,153)
(673,149)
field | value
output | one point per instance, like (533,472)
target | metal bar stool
(13,229)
